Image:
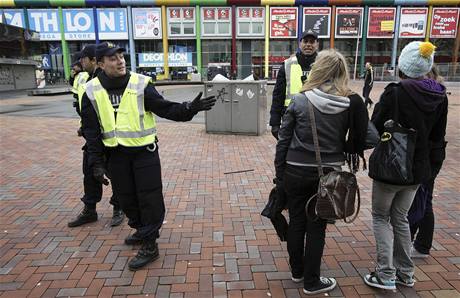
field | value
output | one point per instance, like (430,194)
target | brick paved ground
(214,243)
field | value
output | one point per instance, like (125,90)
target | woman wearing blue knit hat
(420,103)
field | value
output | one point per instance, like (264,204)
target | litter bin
(241,107)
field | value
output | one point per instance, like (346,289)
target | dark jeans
(425,227)
(136,181)
(300,184)
(92,187)
(366,92)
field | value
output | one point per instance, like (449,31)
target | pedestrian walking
(422,220)
(368,84)
(118,116)
(419,104)
(338,112)
(92,186)
(291,76)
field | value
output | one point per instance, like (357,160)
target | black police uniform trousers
(136,182)
(92,187)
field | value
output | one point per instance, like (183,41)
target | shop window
(181,22)
(216,22)
(250,22)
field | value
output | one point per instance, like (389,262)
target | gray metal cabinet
(240,108)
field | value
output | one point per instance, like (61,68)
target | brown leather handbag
(338,191)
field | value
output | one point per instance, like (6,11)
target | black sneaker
(117,217)
(133,239)
(406,283)
(87,215)
(325,284)
(147,254)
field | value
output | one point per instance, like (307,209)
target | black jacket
(369,78)
(153,102)
(279,91)
(295,143)
(423,108)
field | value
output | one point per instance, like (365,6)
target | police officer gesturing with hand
(291,76)
(117,115)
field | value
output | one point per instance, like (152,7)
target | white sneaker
(414,253)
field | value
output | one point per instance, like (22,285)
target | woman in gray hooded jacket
(341,120)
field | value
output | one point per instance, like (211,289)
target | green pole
(198,39)
(26,19)
(65,50)
(363,43)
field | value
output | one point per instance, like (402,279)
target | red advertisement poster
(174,13)
(243,12)
(444,23)
(188,13)
(257,13)
(223,13)
(381,22)
(283,22)
(209,14)
(348,22)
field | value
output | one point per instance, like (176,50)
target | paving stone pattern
(214,242)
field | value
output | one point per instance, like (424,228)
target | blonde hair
(435,75)
(329,73)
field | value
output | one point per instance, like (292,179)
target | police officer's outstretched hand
(99,173)
(202,104)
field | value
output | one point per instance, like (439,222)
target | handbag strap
(396,105)
(357,208)
(315,138)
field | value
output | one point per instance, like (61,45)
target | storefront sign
(381,22)
(348,22)
(79,24)
(188,13)
(283,22)
(209,13)
(444,23)
(147,23)
(45,21)
(13,17)
(317,19)
(223,14)
(112,23)
(413,22)
(156,59)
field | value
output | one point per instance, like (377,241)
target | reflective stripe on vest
(133,126)
(81,84)
(293,78)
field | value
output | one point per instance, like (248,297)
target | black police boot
(147,254)
(133,239)
(87,215)
(117,217)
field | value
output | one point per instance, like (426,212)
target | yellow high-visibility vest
(133,126)
(293,78)
(79,85)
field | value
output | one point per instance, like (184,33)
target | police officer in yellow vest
(92,187)
(118,115)
(291,76)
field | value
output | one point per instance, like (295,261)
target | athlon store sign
(79,24)
(13,17)
(444,23)
(156,59)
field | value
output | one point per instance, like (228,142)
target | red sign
(283,22)
(257,13)
(223,13)
(174,13)
(381,22)
(209,14)
(444,23)
(243,12)
(188,13)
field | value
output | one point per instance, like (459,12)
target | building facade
(236,37)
